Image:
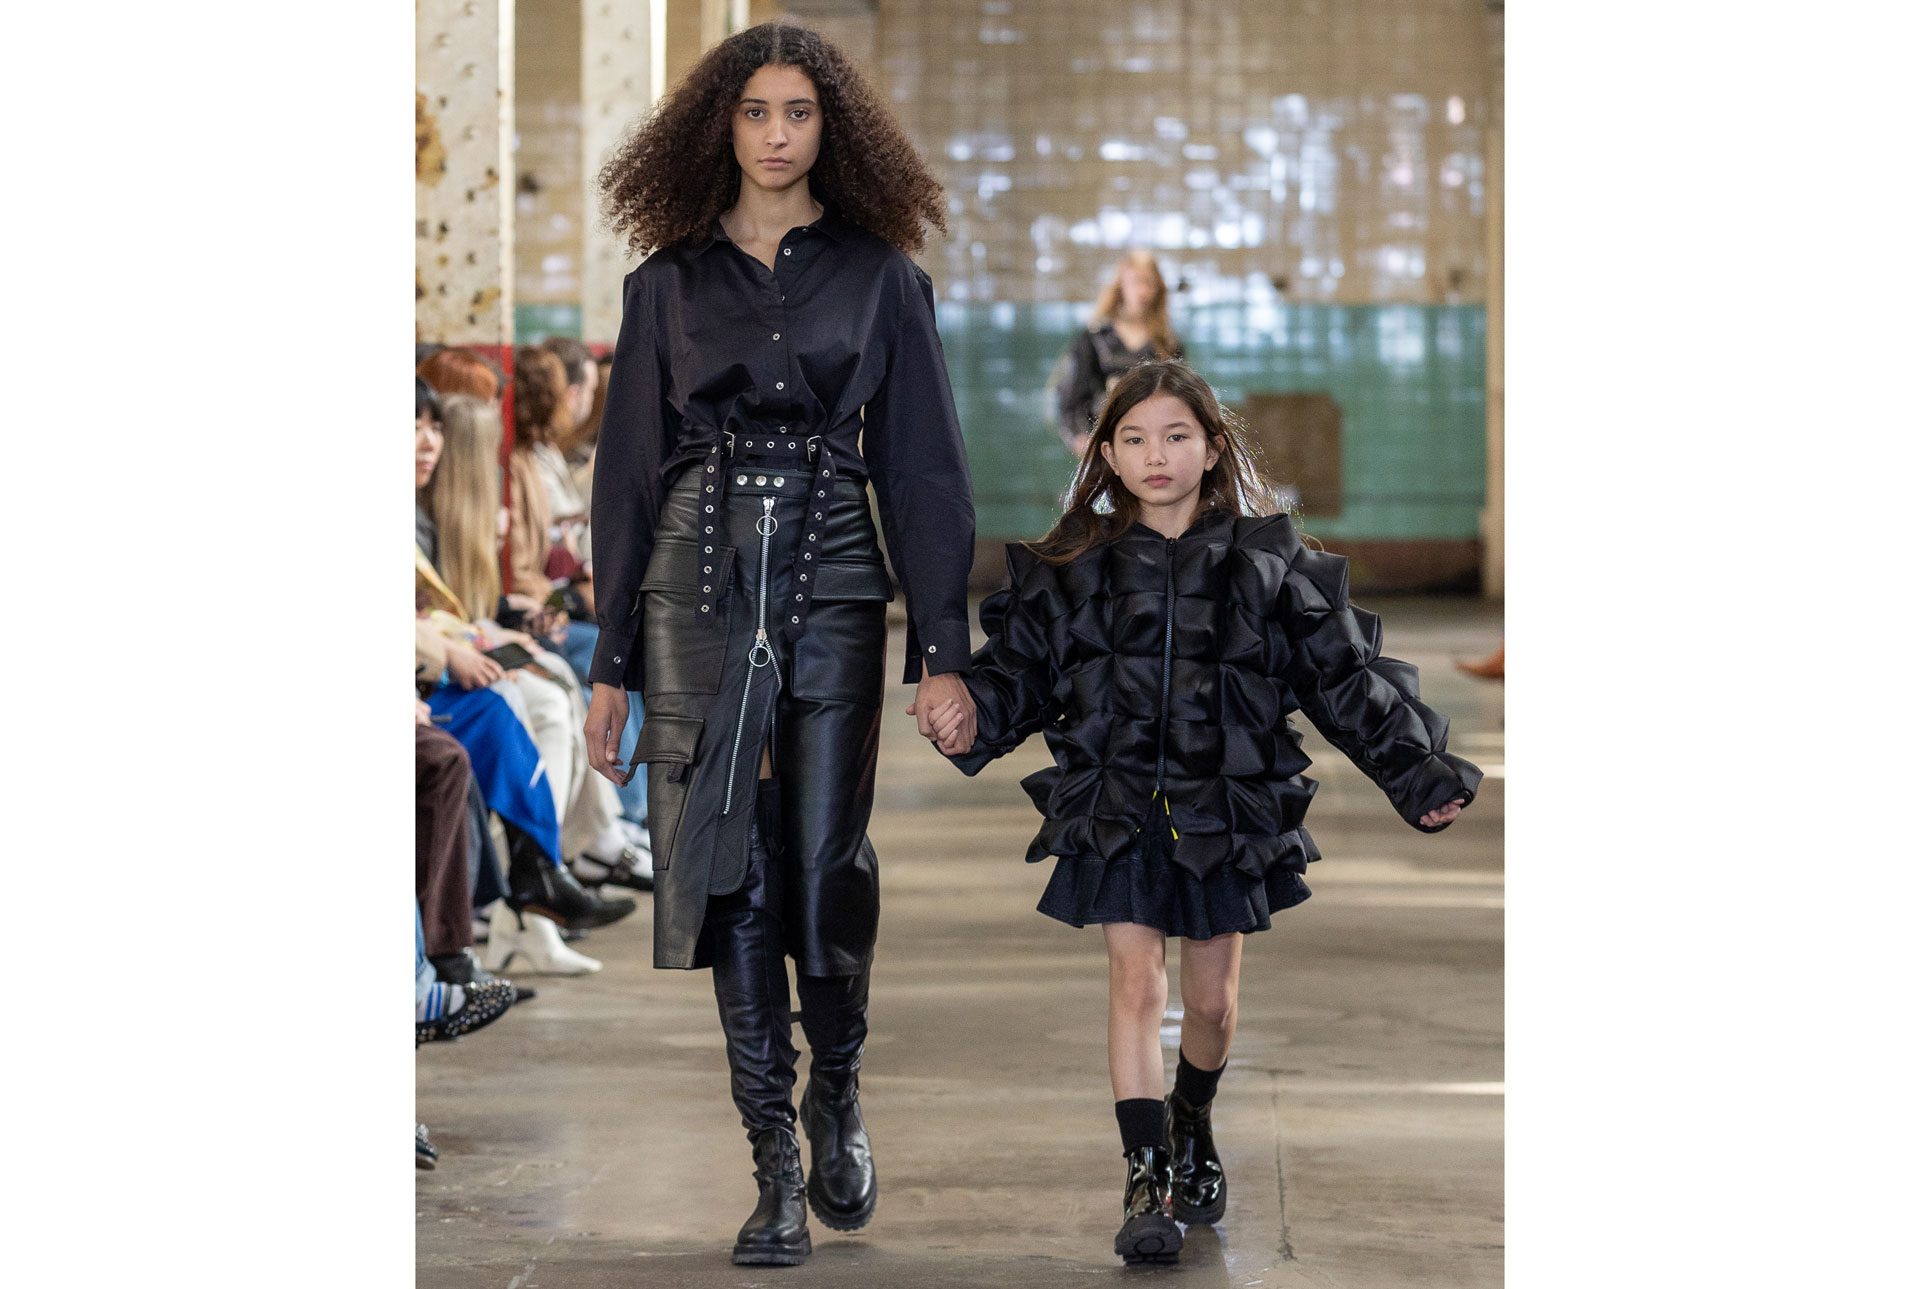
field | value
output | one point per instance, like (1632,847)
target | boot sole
(842,1221)
(746,1256)
(1149,1240)
(1202,1216)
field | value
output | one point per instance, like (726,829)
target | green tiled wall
(1410,381)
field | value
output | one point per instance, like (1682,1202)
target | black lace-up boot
(1149,1233)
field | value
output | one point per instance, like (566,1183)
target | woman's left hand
(1444,815)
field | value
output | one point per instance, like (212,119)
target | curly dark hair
(539,396)
(675,172)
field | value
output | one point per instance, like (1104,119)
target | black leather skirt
(764,626)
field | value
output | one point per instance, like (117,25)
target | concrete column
(1493,519)
(623,70)
(463,208)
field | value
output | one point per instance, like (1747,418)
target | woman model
(1129,326)
(777,352)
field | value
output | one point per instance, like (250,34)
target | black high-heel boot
(776,1234)
(1148,1233)
(536,886)
(1199,1182)
(841,1185)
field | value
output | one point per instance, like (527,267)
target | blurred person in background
(460,371)
(1130,325)
(539,416)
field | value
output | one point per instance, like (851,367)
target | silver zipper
(760,655)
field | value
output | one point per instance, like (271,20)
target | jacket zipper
(1166,679)
(760,655)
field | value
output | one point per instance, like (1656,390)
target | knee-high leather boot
(750,985)
(841,1184)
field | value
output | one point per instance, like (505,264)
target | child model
(1161,646)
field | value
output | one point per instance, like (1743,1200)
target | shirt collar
(830,224)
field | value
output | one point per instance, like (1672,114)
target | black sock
(1195,1086)
(1143,1122)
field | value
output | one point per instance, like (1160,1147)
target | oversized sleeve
(1365,704)
(1013,673)
(637,430)
(913,447)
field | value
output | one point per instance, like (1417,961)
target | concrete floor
(587,1138)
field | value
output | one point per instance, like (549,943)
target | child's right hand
(947,719)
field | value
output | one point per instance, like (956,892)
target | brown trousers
(441,881)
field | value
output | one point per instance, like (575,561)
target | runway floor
(587,1138)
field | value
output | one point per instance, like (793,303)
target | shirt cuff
(943,647)
(614,661)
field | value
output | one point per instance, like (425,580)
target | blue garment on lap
(506,764)
(577,649)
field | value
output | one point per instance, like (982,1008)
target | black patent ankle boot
(776,1234)
(1199,1182)
(1148,1233)
(537,886)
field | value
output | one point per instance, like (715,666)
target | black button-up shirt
(837,337)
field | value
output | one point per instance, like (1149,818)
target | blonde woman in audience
(464,501)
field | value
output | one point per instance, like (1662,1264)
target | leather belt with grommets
(756,460)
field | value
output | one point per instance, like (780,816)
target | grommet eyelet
(796,620)
(707,589)
(803,577)
(709,549)
(809,554)
(709,511)
(709,526)
(760,481)
(799,597)
(740,478)
(779,384)
(706,608)
(933,648)
(813,537)
(779,483)
(707,569)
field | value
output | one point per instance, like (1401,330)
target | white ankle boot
(532,943)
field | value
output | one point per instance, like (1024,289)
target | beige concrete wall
(623,68)
(463,68)
(548,154)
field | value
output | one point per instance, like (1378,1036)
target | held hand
(1444,815)
(606,722)
(422,714)
(947,721)
(472,669)
(936,692)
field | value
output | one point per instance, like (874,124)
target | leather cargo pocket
(683,647)
(666,745)
(851,580)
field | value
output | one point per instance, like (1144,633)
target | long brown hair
(464,499)
(675,173)
(539,399)
(1099,506)
(1159,324)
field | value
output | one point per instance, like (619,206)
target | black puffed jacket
(1157,664)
